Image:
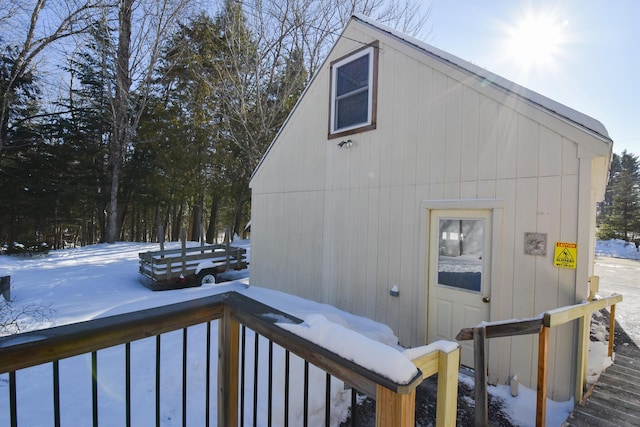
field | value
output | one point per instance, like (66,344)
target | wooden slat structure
(540,325)
(446,366)
(614,400)
(176,268)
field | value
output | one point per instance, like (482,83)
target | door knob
(486,299)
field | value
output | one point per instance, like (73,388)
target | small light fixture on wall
(345,144)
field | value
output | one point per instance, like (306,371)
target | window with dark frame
(353,93)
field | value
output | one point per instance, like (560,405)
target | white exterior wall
(342,226)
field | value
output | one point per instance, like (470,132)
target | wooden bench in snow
(189,267)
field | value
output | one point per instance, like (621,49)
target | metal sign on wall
(565,255)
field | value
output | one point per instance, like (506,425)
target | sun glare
(536,40)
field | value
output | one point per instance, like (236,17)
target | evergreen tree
(620,212)
(20,129)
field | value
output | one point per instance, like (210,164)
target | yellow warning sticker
(565,255)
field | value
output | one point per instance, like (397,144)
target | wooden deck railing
(395,403)
(539,325)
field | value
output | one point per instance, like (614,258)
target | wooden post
(447,403)
(228,357)
(227,240)
(543,356)
(394,409)
(161,237)
(612,328)
(594,287)
(183,254)
(582,358)
(480,365)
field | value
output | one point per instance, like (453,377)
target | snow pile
(617,248)
(599,359)
(351,345)
(521,409)
(442,345)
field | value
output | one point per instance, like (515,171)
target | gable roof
(582,120)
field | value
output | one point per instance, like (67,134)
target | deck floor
(615,398)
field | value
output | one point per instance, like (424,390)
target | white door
(458,275)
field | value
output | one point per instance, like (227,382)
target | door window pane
(461,249)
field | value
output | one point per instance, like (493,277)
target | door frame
(496,206)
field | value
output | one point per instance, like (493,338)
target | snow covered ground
(618,265)
(102,280)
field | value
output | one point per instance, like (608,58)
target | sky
(582,53)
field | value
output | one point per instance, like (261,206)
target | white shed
(404,168)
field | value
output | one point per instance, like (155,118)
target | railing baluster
(184,377)
(354,406)
(56,393)
(207,392)
(243,346)
(157,380)
(286,387)
(255,378)
(270,387)
(327,401)
(13,407)
(127,379)
(94,386)
(305,411)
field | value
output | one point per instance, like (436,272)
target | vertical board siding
(453,136)
(470,153)
(387,144)
(359,252)
(408,278)
(507,143)
(408,134)
(395,132)
(371,251)
(385,235)
(546,276)
(524,282)
(394,257)
(437,143)
(550,153)
(424,119)
(528,142)
(487,139)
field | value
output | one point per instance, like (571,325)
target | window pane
(461,249)
(353,76)
(352,110)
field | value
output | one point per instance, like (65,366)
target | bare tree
(143,27)
(280,31)
(12,319)
(272,47)
(64,18)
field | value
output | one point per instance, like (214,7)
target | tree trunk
(196,218)
(237,216)
(176,223)
(213,219)
(121,132)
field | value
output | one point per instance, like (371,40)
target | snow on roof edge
(549,104)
